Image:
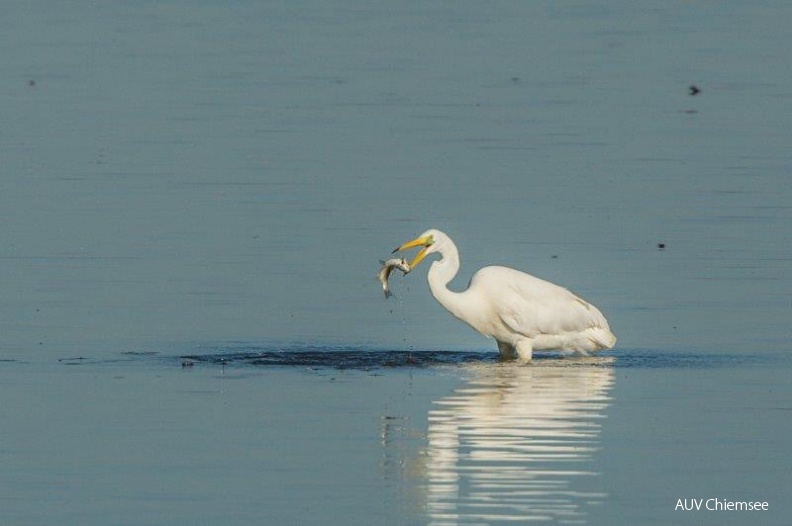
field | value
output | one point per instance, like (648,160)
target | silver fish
(387,268)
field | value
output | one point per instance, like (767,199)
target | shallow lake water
(194,198)
(361,436)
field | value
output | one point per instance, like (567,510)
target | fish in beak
(425,242)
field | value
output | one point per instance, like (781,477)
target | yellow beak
(418,242)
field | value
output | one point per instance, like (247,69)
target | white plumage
(521,312)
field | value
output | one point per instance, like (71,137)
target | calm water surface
(176,175)
(306,436)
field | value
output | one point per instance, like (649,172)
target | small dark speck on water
(187,363)
(661,246)
(32,83)
(694,90)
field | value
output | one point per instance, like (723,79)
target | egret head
(431,241)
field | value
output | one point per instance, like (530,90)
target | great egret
(521,312)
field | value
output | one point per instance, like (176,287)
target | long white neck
(440,274)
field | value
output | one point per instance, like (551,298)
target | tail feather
(602,338)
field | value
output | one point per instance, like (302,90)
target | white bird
(521,312)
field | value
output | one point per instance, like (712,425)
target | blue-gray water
(206,180)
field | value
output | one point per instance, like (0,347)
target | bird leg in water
(507,352)
(525,350)
(387,268)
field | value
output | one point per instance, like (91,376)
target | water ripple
(365,358)
(343,358)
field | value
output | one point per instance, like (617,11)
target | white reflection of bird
(518,444)
(521,312)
